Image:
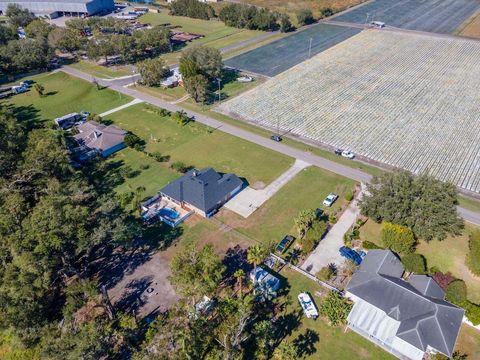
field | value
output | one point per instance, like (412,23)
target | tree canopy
(422,203)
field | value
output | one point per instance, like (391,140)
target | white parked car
(308,306)
(348,154)
(245,79)
(330,199)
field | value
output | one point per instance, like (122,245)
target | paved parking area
(249,200)
(326,252)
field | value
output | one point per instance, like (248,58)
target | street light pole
(219,88)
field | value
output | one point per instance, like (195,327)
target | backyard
(65,94)
(275,218)
(447,255)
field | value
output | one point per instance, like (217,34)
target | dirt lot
(292,7)
(472,27)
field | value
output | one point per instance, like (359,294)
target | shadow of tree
(287,324)
(135,295)
(305,343)
(28,115)
(235,258)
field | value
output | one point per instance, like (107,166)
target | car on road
(330,199)
(283,245)
(276,138)
(348,154)
(351,255)
(338,152)
(308,306)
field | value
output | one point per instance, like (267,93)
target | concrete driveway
(249,200)
(326,251)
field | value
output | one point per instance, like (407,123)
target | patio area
(164,209)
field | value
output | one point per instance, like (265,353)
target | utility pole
(366,19)
(219,88)
(310,48)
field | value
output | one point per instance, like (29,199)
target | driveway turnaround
(249,200)
(326,252)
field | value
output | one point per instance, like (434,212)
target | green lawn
(447,255)
(468,203)
(216,34)
(468,342)
(200,146)
(274,219)
(66,94)
(326,342)
(102,72)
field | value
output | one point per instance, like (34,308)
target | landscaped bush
(398,238)
(332,219)
(159,157)
(131,140)
(326,12)
(144,166)
(472,312)
(473,256)
(456,292)
(127,172)
(180,167)
(441,279)
(313,235)
(368,245)
(325,273)
(335,308)
(414,263)
(349,196)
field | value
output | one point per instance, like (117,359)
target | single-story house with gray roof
(407,318)
(93,138)
(203,191)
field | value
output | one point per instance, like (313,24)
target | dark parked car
(338,152)
(283,245)
(276,138)
(351,255)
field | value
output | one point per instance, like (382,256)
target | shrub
(305,17)
(144,166)
(181,118)
(335,308)
(180,167)
(326,12)
(473,256)
(414,263)
(312,236)
(159,157)
(398,238)
(349,195)
(192,8)
(442,279)
(370,245)
(325,273)
(128,172)
(131,140)
(456,292)
(472,312)
(332,219)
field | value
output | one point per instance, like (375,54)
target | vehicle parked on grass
(308,306)
(348,154)
(351,255)
(276,138)
(338,152)
(330,199)
(283,245)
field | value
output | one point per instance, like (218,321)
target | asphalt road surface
(355,174)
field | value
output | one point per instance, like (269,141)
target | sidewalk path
(111,111)
(351,173)
(249,200)
(327,250)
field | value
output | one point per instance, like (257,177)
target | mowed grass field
(448,255)
(102,72)
(64,95)
(200,146)
(275,218)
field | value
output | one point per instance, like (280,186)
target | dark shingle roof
(204,189)
(425,317)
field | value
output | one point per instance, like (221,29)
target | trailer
(308,306)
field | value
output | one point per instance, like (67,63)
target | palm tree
(255,256)
(239,275)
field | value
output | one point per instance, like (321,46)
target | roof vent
(195,173)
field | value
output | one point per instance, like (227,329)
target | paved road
(315,160)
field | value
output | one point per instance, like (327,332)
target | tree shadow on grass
(160,236)
(235,259)
(28,115)
(305,343)
(105,176)
(135,295)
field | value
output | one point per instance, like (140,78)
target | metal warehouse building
(56,8)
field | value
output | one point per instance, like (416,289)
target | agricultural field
(439,16)
(471,28)
(399,99)
(292,7)
(280,55)
(65,94)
